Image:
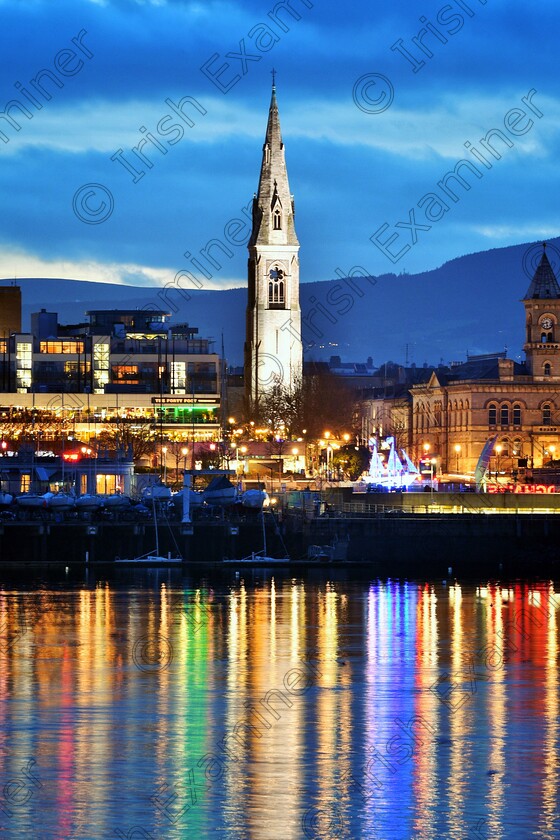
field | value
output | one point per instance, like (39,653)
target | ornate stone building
(452,415)
(273,347)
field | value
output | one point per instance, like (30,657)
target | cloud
(518,232)
(18,264)
(105,126)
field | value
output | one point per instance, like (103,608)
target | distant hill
(470,303)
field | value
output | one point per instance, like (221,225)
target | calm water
(151,706)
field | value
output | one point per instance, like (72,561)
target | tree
(135,436)
(352,461)
(318,402)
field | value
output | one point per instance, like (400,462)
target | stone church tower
(273,348)
(542,313)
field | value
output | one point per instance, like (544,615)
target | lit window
(126,373)
(67,347)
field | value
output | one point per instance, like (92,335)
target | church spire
(544,283)
(273,348)
(273,210)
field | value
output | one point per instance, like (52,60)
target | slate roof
(544,283)
(482,369)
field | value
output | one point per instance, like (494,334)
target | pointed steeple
(273,208)
(273,348)
(544,283)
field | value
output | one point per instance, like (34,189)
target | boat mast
(155,524)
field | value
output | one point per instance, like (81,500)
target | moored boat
(221,492)
(89,502)
(152,558)
(156,493)
(115,501)
(60,501)
(31,500)
(255,499)
(259,558)
(5,499)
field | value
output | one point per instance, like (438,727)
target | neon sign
(523,488)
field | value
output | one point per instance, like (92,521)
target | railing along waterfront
(365,509)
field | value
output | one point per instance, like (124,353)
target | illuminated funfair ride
(392,474)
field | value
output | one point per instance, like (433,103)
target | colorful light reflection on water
(279,708)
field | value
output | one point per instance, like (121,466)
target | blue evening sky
(358,162)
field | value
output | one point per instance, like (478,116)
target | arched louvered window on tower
(277,220)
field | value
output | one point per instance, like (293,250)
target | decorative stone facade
(452,415)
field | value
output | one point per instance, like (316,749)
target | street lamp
(243,450)
(432,465)
(498,451)
(295,451)
(164,459)
(184,453)
(329,460)
(457,449)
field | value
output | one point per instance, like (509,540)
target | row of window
(505,415)
(516,448)
(512,416)
(61,347)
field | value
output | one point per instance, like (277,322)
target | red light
(71,456)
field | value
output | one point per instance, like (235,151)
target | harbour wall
(387,543)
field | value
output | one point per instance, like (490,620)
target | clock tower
(273,348)
(542,313)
